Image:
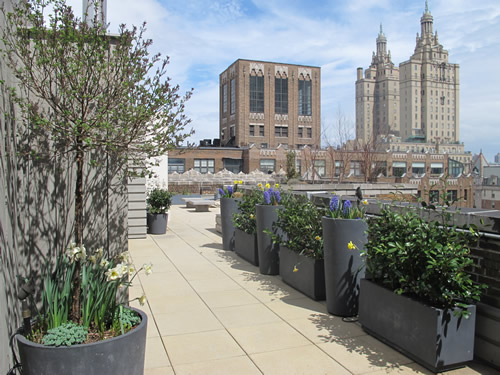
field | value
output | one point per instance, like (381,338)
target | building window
(256,94)
(381,168)
(263,145)
(339,168)
(452,195)
(305,97)
(261,130)
(301,132)
(455,167)
(418,169)
(224,98)
(356,168)
(298,166)
(233,96)
(233,165)
(204,165)
(281,131)
(309,132)
(232,132)
(252,130)
(320,167)
(281,95)
(434,196)
(398,168)
(176,165)
(267,165)
(436,168)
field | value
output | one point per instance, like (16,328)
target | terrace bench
(189,201)
(202,206)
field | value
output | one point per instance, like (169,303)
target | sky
(204,37)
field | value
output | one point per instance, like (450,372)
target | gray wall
(36,212)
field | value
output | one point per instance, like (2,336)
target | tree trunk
(76,306)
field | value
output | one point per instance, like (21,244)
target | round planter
(157,223)
(228,207)
(118,355)
(269,260)
(343,267)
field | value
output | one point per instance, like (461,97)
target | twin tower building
(415,102)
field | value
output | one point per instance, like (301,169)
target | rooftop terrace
(211,312)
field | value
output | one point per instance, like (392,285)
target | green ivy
(66,334)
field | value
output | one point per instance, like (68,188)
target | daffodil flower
(365,202)
(236,182)
(317,238)
(104,263)
(259,185)
(148,269)
(112,274)
(251,216)
(277,185)
(142,300)
(295,269)
(351,246)
(240,182)
(268,186)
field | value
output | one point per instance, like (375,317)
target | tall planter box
(119,355)
(245,245)
(309,275)
(269,261)
(157,223)
(228,207)
(433,337)
(343,267)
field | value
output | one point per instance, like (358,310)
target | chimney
(91,8)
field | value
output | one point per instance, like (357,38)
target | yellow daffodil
(351,246)
(148,269)
(240,182)
(365,202)
(268,186)
(251,216)
(277,185)
(236,182)
(142,300)
(295,269)
(317,238)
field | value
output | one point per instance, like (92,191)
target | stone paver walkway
(210,312)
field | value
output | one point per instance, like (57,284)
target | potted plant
(158,203)
(245,244)
(420,298)
(301,246)
(343,240)
(228,207)
(266,214)
(109,336)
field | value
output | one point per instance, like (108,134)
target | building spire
(381,30)
(426,6)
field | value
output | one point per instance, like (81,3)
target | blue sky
(203,37)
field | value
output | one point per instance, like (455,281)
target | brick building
(270,104)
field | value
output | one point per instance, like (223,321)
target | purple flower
(277,196)
(267,197)
(334,203)
(230,190)
(221,192)
(347,206)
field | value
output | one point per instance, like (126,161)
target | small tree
(291,171)
(89,92)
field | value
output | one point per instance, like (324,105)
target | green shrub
(426,260)
(66,334)
(159,201)
(245,218)
(300,221)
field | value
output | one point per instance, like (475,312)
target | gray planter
(309,275)
(228,207)
(157,223)
(269,260)
(343,267)
(118,355)
(433,337)
(245,245)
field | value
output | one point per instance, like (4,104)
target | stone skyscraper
(425,90)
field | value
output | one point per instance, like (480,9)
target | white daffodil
(142,300)
(148,268)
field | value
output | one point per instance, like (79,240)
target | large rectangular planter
(303,273)
(435,338)
(246,246)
